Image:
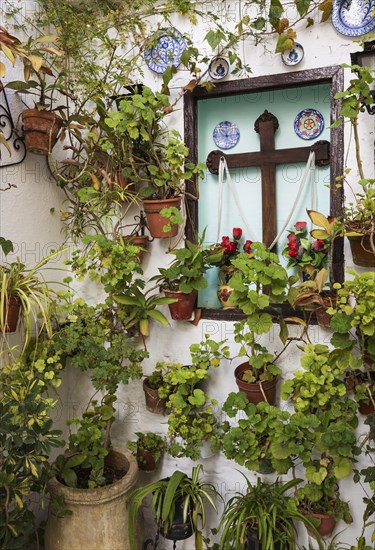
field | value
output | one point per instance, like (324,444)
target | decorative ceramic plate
(167,50)
(218,68)
(226,134)
(294,56)
(353,17)
(309,124)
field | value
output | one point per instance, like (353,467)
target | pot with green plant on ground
(262,518)
(171,496)
(92,476)
(148,450)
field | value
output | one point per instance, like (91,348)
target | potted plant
(192,424)
(41,123)
(156,381)
(249,441)
(314,292)
(229,249)
(185,277)
(157,158)
(26,293)
(309,257)
(358,220)
(179,504)
(148,450)
(262,518)
(92,477)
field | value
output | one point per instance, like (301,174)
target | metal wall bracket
(16,143)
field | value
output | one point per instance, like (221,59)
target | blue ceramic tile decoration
(294,56)
(309,124)
(218,68)
(167,50)
(226,135)
(353,17)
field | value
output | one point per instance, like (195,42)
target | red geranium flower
(293,245)
(292,237)
(293,253)
(318,244)
(247,246)
(301,226)
(237,233)
(224,241)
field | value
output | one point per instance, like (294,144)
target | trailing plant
(94,344)
(266,511)
(191,418)
(191,494)
(27,439)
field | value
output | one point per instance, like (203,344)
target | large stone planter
(99,519)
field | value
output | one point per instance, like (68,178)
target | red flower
(237,233)
(293,253)
(318,244)
(224,241)
(293,245)
(247,246)
(292,237)
(301,226)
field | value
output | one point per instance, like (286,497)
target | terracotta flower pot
(366,408)
(254,390)
(181,310)
(141,241)
(41,130)
(122,182)
(154,403)
(11,316)
(361,251)
(156,221)
(99,516)
(146,461)
(326,526)
(324,318)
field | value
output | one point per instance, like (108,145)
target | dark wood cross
(267,158)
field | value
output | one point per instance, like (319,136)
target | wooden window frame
(334,76)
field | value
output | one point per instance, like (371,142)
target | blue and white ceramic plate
(309,124)
(353,17)
(226,135)
(218,68)
(294,56)
(167,50)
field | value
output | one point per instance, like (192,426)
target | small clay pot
(41,130)
(11,316)
(366,408)
(253,390)
(181,310)
(154,403)
(361,251)
(155,221)
(146,461)
(326,526)
(141,241)
(324,318)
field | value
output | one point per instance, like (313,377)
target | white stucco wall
(27,221)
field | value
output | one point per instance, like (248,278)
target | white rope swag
(225,175)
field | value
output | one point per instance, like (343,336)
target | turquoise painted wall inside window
(243,110)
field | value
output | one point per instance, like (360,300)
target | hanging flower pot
(41,130)
(256,391)
(120,181)
(253,542)
(155,221)
(324,318)
(224,293)
(182,309)
(146,460)
(179,530)
(11,315)
(326,526)
(361,251)
(141,241)
(154,403)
